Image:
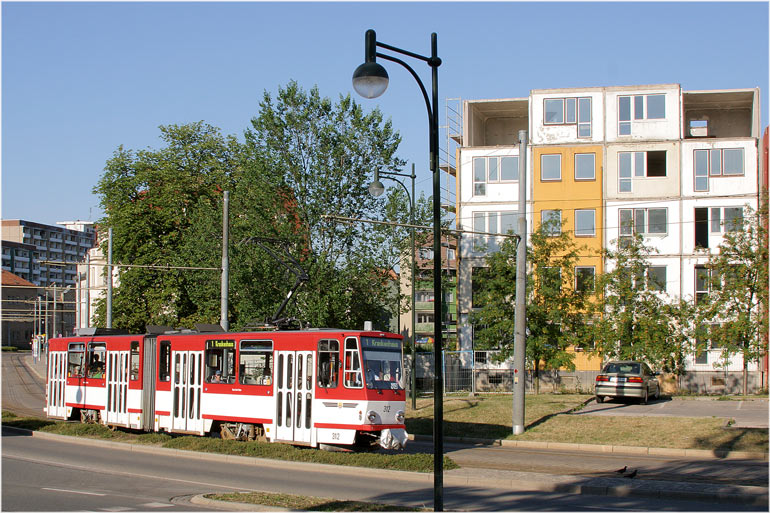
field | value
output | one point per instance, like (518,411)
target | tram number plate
(335,436)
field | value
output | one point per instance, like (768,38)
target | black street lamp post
(376,189)
(370,80)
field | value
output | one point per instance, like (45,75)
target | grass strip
(489,416)
(403,462)
(304,503)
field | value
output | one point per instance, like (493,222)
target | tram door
(117,387)
(294,395)
(186,389)
(57,380)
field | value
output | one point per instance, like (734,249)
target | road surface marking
(74,491)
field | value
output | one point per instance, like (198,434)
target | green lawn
(545,420)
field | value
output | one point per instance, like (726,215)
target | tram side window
(134,361)
(255,364)
(328,363)
(164,361)
(97,360)
(76,354)
(220,357)
(352,364)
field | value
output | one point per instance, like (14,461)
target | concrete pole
(224,321)
(55,333)
(520,318)
(109,278)
(87,307)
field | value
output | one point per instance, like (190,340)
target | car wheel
(645,397)
(657,392)
(599,399)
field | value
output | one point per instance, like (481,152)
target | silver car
(627,379)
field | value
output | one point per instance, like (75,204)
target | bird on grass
(622,470)
(632,474)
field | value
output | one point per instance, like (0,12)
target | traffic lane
(599,464)
(119,480)
(34,486)
(752,413)
(215,475)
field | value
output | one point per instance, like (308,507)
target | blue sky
(80,79)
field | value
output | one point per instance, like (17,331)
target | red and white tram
(309,387)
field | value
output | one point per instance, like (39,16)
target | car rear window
(622,368)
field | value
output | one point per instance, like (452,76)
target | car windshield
(622,368)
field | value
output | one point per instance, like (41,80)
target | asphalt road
(752,413)
(61,475)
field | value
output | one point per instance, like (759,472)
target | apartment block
(57,250)
(677,166)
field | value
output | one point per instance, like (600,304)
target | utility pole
(520,317)
(109,278)
(224,321)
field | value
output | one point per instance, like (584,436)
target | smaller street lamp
(376,189)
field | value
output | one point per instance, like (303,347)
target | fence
(478,372)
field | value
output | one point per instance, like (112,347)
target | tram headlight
(400,417)
(372,416)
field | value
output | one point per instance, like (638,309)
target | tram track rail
(22,388)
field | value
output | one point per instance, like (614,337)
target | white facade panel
(718,183)
(664,240)
(715,221)
(643,121)
(650,170)
(567,130)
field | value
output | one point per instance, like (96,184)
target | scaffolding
(451,130)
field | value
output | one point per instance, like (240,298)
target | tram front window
(382,363)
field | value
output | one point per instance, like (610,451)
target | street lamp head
(376,188)
(370,80)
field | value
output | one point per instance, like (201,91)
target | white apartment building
(677,166)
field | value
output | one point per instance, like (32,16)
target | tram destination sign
(382,344)
(220,344)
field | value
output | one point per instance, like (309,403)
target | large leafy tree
(634,323)
(736,306)
(318,158)
(154,200)
(304,158)
(556,310)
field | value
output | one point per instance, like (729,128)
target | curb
(201,500)
(511,480)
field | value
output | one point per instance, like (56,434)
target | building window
(480,177)
(493,170)
(492,222)
(702,283)
(585,278)
(585,166)
(551,222)
(569,111)
(656,277)
(637,108)
(585,223)
(639,164)
(716,220)
(645,221)
(716,162)
(550,167)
